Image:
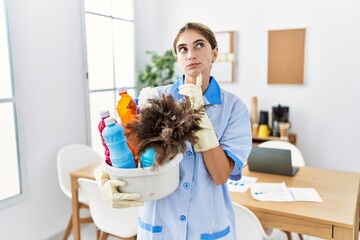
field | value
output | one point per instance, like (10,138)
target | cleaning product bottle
(147,158)
(120,154)
(126,107)
(127,110)
(101,126)
(137,104)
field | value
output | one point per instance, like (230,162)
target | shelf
(257,140)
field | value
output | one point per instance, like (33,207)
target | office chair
(70,158)
(296,159)
(247,224)
(117,222)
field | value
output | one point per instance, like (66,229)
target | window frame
(20,196)
(89,91)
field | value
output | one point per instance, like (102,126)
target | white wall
(46,40)
(47,59)
(147,31)
(324,112)
(47,55)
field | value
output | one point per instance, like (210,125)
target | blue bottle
(147,158)
(120,154)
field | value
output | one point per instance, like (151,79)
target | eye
(199,45)
(182,50)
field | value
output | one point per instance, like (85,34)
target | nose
(191,55)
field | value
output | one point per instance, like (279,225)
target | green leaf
(160,71)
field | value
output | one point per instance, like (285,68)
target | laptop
(271,160)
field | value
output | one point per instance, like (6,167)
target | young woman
(201,207)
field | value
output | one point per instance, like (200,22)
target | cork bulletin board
(286,56)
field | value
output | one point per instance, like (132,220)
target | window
(10,185)
(110,58)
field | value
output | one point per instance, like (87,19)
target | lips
(191,65)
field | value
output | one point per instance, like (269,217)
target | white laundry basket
(151,184)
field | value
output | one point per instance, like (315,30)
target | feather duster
(165,125)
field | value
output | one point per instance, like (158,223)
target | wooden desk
(337,217)
(86,172)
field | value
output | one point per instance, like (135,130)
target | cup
(264,117)
(284,131)
(263,131)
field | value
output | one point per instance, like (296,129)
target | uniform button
(189,153)
(182,218)
(186,185)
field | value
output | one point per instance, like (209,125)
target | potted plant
(160,71)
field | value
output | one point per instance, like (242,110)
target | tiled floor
(88,232)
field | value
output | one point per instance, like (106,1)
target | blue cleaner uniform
(200,209)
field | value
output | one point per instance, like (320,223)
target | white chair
(70,158)
(248,226)
(297,160)
(118,222)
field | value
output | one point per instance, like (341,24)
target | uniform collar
(212,94)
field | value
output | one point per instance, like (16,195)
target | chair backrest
(121,222)
(70,158)
(296,157)
(247,224)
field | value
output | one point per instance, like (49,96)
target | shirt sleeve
(237,138)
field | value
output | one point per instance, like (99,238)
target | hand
(193,92)
(110,192)
(206,136)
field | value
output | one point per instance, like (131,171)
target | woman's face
(194,53)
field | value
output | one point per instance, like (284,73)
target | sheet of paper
(242,185)
(223,40)
(223,71)
(305,194)
(276,192)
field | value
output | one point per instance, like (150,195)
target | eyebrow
(194,43)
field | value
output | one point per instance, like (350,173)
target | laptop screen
(271,160)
